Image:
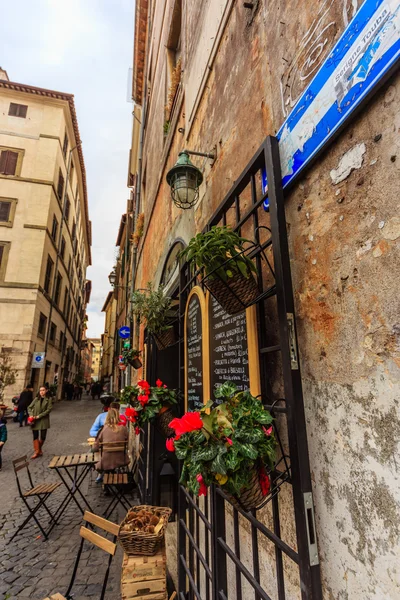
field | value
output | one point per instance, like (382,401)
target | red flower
(170,444)
(137,430)
(189,422)
(203,487)
(159,383)
(165,386)
(265,482)
(122,420)
(229,441)
(131,414)
(267,431)
(143,399)
(143,384)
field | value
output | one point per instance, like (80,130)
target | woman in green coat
(39,411)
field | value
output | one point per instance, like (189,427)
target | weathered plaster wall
(343,229)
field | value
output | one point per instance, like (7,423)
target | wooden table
(81,465)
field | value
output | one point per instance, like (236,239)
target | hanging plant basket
(234,295)
(166,338)
(164,418)
(252,497)
(136,363)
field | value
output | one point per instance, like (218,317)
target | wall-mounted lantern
(185,179)
(112,278)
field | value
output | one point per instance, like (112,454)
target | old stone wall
(343,228)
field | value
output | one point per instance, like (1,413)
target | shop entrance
(269,554)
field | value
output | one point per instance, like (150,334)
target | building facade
(220,78)
(45,234)
(96,358)
(108,341)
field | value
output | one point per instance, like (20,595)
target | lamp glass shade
(184,179)
(112,278)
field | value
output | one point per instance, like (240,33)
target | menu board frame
(197,290)
(252,346)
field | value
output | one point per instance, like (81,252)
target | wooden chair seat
(56,597)
(115,478)
(43,488)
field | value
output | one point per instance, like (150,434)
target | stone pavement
(33,568)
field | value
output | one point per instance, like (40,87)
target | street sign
(38,360)
(367,50)
(124,332)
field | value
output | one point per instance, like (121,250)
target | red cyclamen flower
(170,444)
(267,431)
(131,414)
(143,399)
(189,422)
(265,482)
(203,487)
(229,441)
(122,420)
(137,430)
(143,384)
(159,383)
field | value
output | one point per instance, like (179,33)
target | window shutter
(1,254)
(5,211)
(60,186)
(3,160)
(11,162)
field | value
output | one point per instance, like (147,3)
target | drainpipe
(64,203)
(139,175)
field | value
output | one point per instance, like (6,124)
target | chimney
(3,74)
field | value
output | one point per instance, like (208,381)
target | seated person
(108,401)
(111,432)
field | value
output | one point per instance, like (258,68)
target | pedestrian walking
(39,411)
(3,437)
(24,401)
(70,391)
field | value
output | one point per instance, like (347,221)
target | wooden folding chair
(40,492)
(98,540)
(116,479)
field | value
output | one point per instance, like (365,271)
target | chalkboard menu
(228,348)
(194,345)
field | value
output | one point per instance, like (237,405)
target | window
(173,72)
(61,340)
(65,145)
(17,110)
(69,265)
(71,173)
(73,230)
(9,162)
(67,209)
(52,334)
(54,228)
(7,211)
(60,184)
(58,289)
(62,249)
(4,250)
(47,278)
(42,325)
(65,301)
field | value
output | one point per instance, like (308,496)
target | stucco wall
(343,238)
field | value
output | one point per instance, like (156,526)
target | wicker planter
(143,542)
(164,418)
(165,338)
(251,497)
(234,295)
(136,363)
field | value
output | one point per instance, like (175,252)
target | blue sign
(124,332)
(365,52)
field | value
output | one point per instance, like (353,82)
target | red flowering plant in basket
(232,446)
(148,402)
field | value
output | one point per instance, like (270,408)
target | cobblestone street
(33,568)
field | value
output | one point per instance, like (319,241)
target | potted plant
(153,307)
(228,270)
(132,357)
(233,447)
(152,403)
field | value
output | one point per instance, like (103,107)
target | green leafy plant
(152,308)
(129,394)
(225,444)
(147,402)
(213,250)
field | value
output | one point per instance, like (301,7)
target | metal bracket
(294,360)
(311,532)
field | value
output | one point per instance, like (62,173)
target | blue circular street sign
(124,332)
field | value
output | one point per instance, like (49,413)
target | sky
(85,48)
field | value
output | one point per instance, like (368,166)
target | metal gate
(219,545)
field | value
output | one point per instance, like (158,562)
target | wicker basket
(142,542)
(165,338)
(163,421)
(251,497)
(234,295)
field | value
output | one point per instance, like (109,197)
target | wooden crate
(144,577)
